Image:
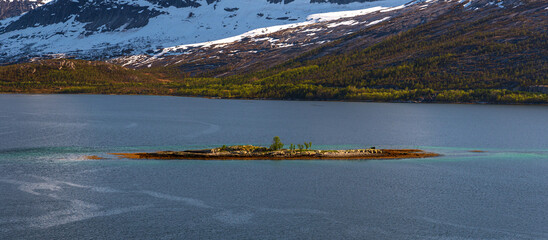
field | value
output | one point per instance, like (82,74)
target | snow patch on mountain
(378,21)
(314,18)
(228,20)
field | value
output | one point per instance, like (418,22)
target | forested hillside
(498,55)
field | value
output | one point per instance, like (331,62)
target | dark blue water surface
(48,190)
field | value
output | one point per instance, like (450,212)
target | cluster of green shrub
(278,145)
(76,76)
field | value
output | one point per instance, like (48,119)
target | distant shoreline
(280,99)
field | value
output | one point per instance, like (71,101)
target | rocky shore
(249,152)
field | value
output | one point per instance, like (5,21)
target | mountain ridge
(100,30)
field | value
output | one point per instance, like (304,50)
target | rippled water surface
(49,191)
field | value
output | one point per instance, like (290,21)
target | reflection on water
(50,191)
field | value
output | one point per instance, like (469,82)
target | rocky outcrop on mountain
(97,16)
(13,8)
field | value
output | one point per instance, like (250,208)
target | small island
(277,152)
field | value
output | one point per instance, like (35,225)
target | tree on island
(292,147)
(276,144)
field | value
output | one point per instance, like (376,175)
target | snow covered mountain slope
(267,46)
(103,29)
(331,35)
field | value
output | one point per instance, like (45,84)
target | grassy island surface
(249,152)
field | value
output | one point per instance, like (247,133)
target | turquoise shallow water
(50,191)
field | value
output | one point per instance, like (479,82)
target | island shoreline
(214,154)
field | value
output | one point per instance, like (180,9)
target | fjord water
(50,191)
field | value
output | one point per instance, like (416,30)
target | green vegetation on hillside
(470,61)
(76,76)
(452,59)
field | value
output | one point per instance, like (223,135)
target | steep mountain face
(13,8)
(358,30)
(103,29)
(263,48)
